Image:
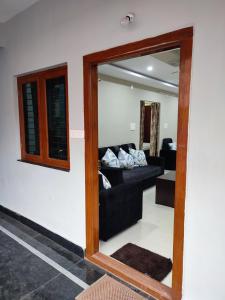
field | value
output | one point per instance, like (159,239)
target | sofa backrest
(115,149)
(165,143)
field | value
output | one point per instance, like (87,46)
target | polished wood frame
(183,39)
(40,78)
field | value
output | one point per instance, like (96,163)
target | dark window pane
(30,109)
(56,106)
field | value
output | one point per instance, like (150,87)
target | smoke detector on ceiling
(128,19)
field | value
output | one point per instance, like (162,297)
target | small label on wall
(165,125)
(76,134)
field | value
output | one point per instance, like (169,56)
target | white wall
(2,36)
(55,31)
(119,105)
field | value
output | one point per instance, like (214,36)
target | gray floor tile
(12,224)
(58,248)
(87,272)
(57,289)
(24,276)
(21,271)
(44,245)
(49,252)
(10,249)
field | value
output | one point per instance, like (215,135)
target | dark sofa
(119,207)
(168,154)
(145,175)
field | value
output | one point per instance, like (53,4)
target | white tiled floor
(154,232)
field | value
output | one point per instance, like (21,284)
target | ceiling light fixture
(150,68)
(134,74)
(168,84)
(144,76)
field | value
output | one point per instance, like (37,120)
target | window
(43,108)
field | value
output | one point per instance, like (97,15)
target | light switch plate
(132,126)
(165,125)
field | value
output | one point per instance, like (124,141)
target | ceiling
(164,74)
(10,8)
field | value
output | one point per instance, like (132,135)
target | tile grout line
(49,261)
(23,297)
(33,237)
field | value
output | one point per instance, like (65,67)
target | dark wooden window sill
(43,165)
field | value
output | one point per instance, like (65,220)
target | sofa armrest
(114,175)
(111,197)
(120,207)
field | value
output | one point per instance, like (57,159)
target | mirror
(137,123)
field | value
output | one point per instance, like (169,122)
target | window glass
(56,112)
(30,108)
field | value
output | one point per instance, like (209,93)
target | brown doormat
(145,261)
(107,288)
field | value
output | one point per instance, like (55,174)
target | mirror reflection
(137,134)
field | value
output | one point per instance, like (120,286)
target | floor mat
(108,288)
(145,261)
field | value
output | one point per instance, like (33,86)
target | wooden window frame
(40,78)
(182,39)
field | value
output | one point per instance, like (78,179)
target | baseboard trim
(51,235)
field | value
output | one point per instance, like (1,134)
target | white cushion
(139,157)
(173,146)
(126,160)
(105,181)
(110,159)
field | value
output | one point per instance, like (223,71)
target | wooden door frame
(183,39)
